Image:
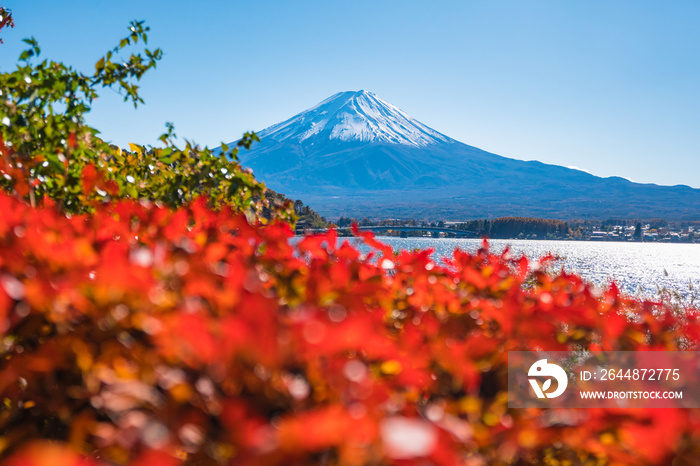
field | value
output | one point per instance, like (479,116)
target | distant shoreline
(522,228)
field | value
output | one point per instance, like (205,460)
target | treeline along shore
(650,230)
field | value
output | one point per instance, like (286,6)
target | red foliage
(141,335)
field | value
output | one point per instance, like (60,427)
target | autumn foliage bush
(144,335)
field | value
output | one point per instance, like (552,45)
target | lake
(640,269)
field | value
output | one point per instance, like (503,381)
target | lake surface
(640,269)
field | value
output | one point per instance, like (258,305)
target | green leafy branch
(47,151)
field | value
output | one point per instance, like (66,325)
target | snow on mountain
(355,154)
(355,116)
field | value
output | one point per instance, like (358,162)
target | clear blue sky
(612,87)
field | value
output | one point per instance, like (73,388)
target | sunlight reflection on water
(637,268)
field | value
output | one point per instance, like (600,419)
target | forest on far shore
(541,228)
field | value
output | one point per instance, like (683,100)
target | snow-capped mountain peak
(356,155)
(355,116)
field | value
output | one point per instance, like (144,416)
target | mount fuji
(355,154)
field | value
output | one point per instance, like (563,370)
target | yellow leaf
(607,438)
(490,419)
(470,405)
(135,148)
(391,367)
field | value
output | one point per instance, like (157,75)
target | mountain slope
(355,154)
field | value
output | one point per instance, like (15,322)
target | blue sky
(611,87)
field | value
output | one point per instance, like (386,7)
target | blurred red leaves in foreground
(143,335)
